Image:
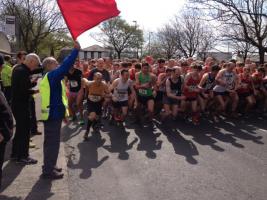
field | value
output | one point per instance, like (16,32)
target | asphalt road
(223,161)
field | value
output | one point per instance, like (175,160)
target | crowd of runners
(127,90)
(165,89)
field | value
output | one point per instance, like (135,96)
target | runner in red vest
(245,89)
(191,91)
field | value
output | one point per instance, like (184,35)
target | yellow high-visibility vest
(45,98)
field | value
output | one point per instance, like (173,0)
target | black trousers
(7,93)
(33,116)
(20,148)
(2,156)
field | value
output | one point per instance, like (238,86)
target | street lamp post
(149,42)
(135,25)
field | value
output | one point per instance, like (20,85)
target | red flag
(81,15)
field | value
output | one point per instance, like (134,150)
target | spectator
(6,77)
(1,67)
(6,127)
(20,100)
(20,58)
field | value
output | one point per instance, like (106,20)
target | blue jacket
(57,109)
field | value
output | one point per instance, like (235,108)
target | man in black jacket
(6,129)
(1,67)
(20,102)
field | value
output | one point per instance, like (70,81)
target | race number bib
(121,96)
(142,92)
(192,87)
(230,85)
(74,84)
(175,92)
(209,86)
(94,98)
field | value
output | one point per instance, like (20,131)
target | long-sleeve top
(6,75)
(57,109)
(6,119)
(21,85)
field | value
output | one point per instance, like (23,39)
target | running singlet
(142,91)
(264,81)
(75,80)
(162,87)
(210,82)
(86,73)
(229,79)
(121,91)
(176,88)
(257,80)
(96,91)
(114,74)
(160,70)
(132,74)
(239,70)
(192,84)
(245,83)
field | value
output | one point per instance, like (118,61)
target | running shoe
(195,120)
(215,119)
(86,137)
(118,118)
(36,133)
(234,115)
(27,161)
(53,176)
(32,145)
(74,118)
(81,122)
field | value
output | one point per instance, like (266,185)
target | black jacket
(6,119)
(21,85)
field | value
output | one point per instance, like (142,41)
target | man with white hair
(21,91)
(54,108)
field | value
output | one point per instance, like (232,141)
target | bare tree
(186,36)
(36,19)
(166,41)
(192,35)
(247,16)
(119,35)
(242,49)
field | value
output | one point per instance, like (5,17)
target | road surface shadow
(180,145)
(3,197)
(148,140)
(71,130)
(10,172)
(207,134)
(88,155)
(119,144)
(240,129)
(41,190)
